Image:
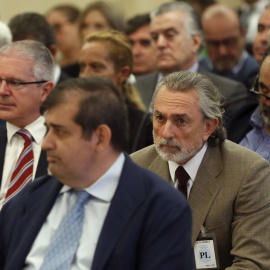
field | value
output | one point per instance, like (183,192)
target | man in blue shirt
(250,125)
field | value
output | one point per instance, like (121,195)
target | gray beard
(178,156)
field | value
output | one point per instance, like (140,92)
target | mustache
(169,142)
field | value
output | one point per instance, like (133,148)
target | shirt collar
(37,130)
(191,166)
(105,187)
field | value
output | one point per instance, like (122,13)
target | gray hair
(210,98)
(32,50)
(5,35)
(192,20)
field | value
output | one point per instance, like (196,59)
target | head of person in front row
(26,74)
(186,115)
(108,53)
(94,135)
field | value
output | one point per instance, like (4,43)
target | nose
(136,50)
(168,130)
(4,88)
(161,41)
(86,72)
(48,143)
(222,49)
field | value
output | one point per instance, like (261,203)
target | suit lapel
(128,197)
(160,167)
(38,203)
(205,188)
(42,168)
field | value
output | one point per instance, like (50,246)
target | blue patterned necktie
(65,241)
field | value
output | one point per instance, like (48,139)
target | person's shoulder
(155,186)
(145,156)
(147,78)
(218,80)
(241,155)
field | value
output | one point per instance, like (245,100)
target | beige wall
(9,8)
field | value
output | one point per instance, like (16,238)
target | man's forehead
(174,18)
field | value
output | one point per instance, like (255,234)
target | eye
(14,83)
(154,37)
(159,118)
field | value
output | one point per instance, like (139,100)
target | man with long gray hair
(227,186)
(26,73)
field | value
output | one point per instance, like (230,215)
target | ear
(46,90)
(209,127)
(122,75)
(103,134)
(197,41)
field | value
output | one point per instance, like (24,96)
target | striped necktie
(65,241)
(23,172)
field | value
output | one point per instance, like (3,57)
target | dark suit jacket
(238,121)
(147,227)
(235,93)
(229,197)
(42,164)
(246,75)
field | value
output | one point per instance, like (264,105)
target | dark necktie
(23,172)
(182,177)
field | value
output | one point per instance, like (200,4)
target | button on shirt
(257,139)
(191,168)
(14,147)
(96,208)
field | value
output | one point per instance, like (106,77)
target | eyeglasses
(229,43)
(266,98)
(17,85)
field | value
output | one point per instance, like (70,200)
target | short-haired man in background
(260,41)
(143,49)
(225,40)
(177,35)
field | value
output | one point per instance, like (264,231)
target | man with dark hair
(33,26)
(99,210)
(143,50)
(26,73)
(177,35)
(227,185)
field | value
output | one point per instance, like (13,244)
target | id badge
(205,251)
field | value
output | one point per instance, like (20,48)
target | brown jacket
(231,198)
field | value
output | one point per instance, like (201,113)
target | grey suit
(231,198)
(235,93)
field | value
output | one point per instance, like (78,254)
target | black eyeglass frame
(259,94)
(8,81)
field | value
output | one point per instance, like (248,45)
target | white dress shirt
(96,208)
(14,147)
(191,168)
